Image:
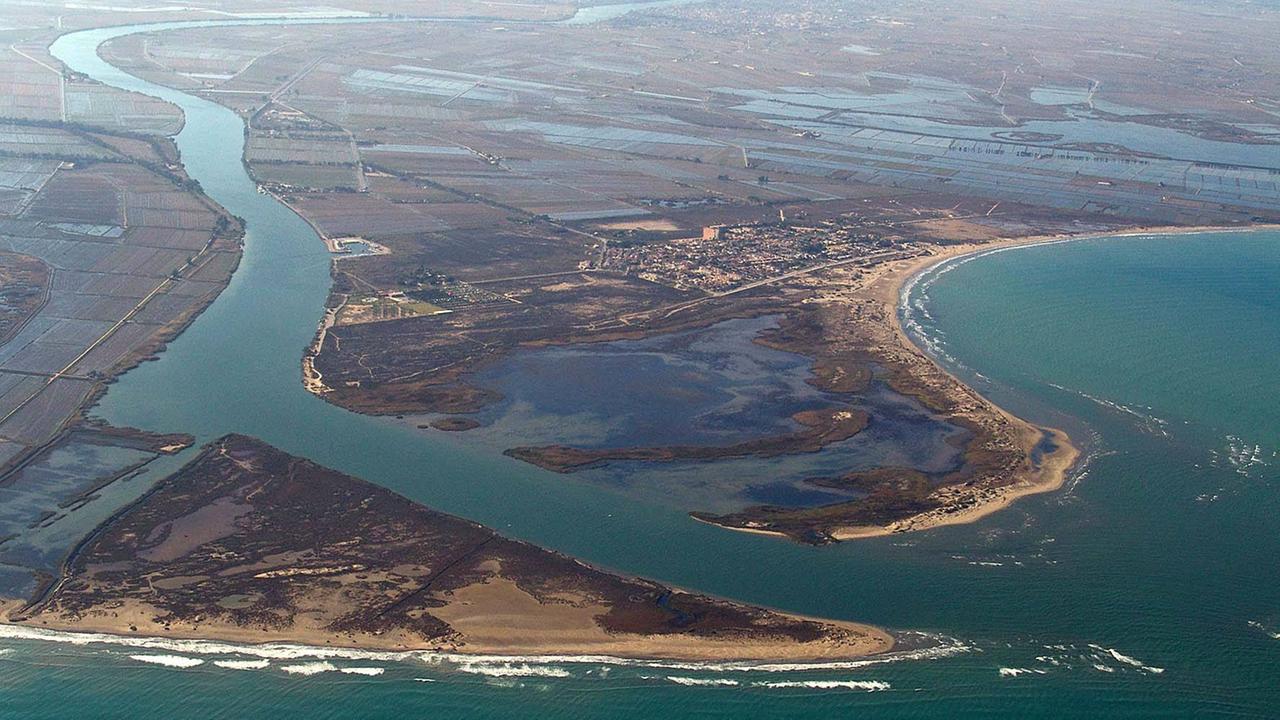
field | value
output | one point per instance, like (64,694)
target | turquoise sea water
(1146,588)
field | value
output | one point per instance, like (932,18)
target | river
(1144,589)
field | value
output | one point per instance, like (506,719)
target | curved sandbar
(1009,458)
(1051,468)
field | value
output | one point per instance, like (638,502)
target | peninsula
(248,543)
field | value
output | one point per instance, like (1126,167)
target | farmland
(105,253)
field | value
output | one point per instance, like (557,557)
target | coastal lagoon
(712,387)
(1144,588)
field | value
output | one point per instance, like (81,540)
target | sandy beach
(887,285)
(493,628)
(250,545)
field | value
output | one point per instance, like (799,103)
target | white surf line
(702,682)
(864,685)
(1127,660)
(308,669)
(174,661)
(541,665)
(243,664)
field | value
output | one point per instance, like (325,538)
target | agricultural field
(24,284)
(102,261)
(662,171)
(32,88)
(20,180)
(558,187)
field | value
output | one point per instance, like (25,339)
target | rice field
(116,234)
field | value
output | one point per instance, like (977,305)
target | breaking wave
(1102,659)
(504,670)
(174,661)
(1145,420)
(1252,623)
(707,682)
(941,647)
(865,685)
(312,668)
(914,313)
(1242,456)
(242,664)
(1008,672)
(1127,660)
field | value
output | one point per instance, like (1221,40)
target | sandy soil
(492,618)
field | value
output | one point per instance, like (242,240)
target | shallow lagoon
(706,387)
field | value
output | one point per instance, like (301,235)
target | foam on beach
(915,314)
(174,661)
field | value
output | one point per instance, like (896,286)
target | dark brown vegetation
(552,196)
(454,424)
(820,428)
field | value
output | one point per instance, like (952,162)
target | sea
(1148,586)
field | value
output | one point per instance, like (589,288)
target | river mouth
(236,369)
(1070,571)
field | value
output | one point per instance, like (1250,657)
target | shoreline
(623,649)
(158,568)
(1056,467)
(967,502)
(293,649)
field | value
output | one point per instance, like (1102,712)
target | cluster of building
(725,257)
(447,291)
